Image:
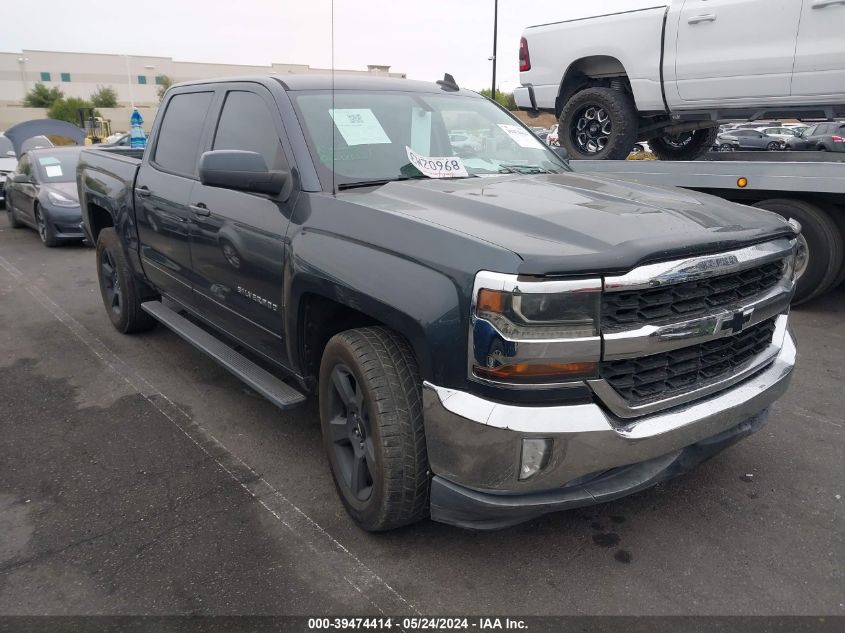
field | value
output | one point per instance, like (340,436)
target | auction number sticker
(438,167)
(521,136)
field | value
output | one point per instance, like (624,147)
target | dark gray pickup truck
(491,337)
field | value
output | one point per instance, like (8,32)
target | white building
(134,78)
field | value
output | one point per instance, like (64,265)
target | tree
(164,82)
(504,99)
(68,109)
(42,97)
(105,97)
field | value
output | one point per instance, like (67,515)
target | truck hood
(576,223)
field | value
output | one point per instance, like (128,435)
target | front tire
(687,146)
(45,230)
(372,423)
(599,124)
(120,291)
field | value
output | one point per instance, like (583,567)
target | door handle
(200,209)
(822,4)
(698,19)
(143,191)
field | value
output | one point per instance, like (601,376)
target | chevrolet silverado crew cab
(667,72)
(491,337)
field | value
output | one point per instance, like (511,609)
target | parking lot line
(370,585)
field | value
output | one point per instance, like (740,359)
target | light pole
(495,38)
(129,83)
(22,61)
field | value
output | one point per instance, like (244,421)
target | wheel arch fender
(420,303)
(591,70)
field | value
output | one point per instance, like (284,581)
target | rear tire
(824,245)
(598,124)
(372,423)
(773,147)
(120,290)
(690,146)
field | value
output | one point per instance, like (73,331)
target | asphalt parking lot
(137,477)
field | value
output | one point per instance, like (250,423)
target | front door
(162,194)
(21,195)
(237,238)
(820,54)
(736,49)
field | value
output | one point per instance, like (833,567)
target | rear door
(735,49)
(238,238)
(162,192)
(820,53)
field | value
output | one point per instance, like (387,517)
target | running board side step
(279,393)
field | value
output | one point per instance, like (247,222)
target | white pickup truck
(667,72)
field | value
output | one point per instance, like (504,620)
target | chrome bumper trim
(476,443)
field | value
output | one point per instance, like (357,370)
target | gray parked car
(825,137)
(42,194)
(746,140)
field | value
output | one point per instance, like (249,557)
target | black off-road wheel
(120,291)
(820,251)
(686,146)
(598,123)
(372,423)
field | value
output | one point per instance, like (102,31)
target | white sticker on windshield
(49,160)
(359,126)
(521,136)
(53,171)
(438,167)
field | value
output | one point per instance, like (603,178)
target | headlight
(534,331)
(61,201)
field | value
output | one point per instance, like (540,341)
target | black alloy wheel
(113,294)
(349,426)
(592,129)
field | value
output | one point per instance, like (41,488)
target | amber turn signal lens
(742,183)
(491,301)
(537,370)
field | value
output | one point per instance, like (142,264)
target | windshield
(374,131)
(57,167)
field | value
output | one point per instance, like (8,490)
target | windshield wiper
(373,183)
(524,169)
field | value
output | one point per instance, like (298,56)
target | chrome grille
(650,378)
(689,299)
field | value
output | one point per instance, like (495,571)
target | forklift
(96,128)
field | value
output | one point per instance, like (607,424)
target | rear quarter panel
(633,37)
(106,182)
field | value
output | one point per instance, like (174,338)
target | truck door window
(178,143)
(246,123)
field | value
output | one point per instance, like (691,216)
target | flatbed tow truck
(808,187)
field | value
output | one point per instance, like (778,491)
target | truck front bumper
(475,447)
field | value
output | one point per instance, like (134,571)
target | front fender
(417,301)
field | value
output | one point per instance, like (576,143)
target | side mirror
(244,171)
(22,178)
(561,152)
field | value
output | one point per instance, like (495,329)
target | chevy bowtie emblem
(739,320)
